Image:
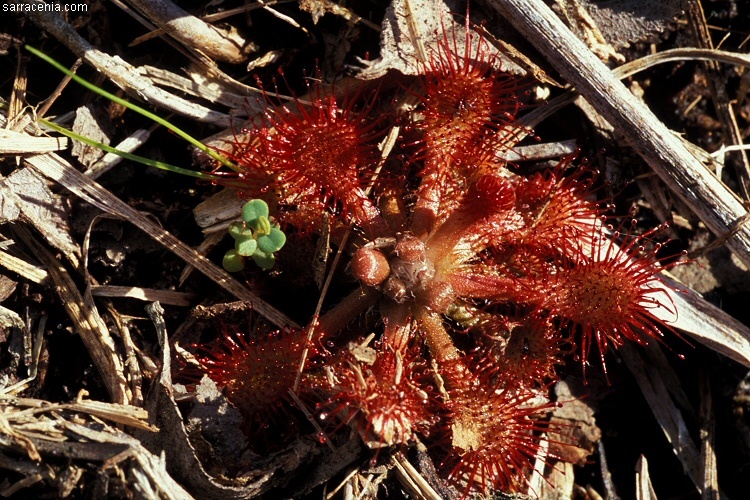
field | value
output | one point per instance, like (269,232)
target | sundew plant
(482,281)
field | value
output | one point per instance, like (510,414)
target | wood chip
(216,43)
(87,125)
(26,196)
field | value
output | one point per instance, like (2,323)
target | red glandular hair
(315,156)
(609,292)
(466,99)
(389,400)
(256,374)
(495,435)
(517,351)
(557,210)
(466,103)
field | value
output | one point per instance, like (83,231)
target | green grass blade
(128,156)
(195,142)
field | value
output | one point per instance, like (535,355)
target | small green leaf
(254,209)
(264,260)
(233,262)
(272,242)
(237,229)
(245,245)
(261,225)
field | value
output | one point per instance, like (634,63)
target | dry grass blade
(17,143)
(33,273)
(61,171)
(149,294)
(708,436)
(205,246)
(131,352)
(681,54)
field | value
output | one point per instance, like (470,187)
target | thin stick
(58,90)
(311,419)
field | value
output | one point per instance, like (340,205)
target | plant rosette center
(400,268)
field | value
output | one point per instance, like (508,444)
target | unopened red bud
(410,248)
(370,266)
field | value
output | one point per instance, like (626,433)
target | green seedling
(254,237)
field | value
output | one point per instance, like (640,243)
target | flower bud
(370,266)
